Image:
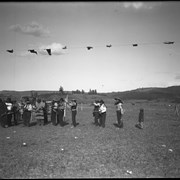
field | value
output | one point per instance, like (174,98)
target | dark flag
(169,42)
(89,47)
(32,51)
(10,51)
(108,45)
(49,51)
(135,44)
(65,47)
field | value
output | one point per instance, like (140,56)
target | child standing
(141,119)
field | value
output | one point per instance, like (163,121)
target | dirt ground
(95,152)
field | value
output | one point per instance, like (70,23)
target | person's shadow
(117,125)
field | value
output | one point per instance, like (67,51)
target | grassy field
(91,151)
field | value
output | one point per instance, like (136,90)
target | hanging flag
(32,51)
(108,45)
(135,44)
(49,51)
(169,42)
(10,51)
(89,47)
(65,47)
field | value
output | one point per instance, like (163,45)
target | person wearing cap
(73,105)
(54,112)
(3,114)
(61,107)
(96,112)
(102,113)
(119,111)
(27,112)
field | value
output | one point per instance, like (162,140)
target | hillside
(170,93)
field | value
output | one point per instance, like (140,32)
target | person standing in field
(9,105)
(45,111)
(141,119)
(73,105)
(119,111)
(176,109)
(16,114)
(27,112)
(102,113)
(3,114)
(54,109)
(60,117)
(96,112)
(39,111)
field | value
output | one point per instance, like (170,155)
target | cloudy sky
(53,25)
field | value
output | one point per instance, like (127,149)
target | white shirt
(102,108)
(119,108)
(9,106)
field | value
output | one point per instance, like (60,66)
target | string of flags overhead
(49,52)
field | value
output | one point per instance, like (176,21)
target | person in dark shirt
(54,109)
(3,114)
(73,105)
(96,112)
(61,107)
(141,119)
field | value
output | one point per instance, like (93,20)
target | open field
(91,151)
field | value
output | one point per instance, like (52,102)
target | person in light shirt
(102,113)
(9,105)
(119,111)
(54,112)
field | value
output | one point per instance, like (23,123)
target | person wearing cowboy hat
(102,113)
(96,112)
(119,111)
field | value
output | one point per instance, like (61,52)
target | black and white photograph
(89,89)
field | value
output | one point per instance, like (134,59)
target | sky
(53,25)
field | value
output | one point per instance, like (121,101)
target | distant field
(90,151)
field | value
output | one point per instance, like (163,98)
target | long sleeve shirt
(119,108)
(102,109)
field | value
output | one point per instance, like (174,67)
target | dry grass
(95,152)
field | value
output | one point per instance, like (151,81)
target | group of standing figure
(27,111)
(38,111)
(100,109)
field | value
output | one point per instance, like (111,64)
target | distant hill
(153,93)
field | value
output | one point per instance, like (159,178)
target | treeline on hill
(170,93)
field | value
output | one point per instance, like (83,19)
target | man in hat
(96,112)
(102,113)
(119,111)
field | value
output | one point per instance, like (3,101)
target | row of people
(38,111)
(30,111)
